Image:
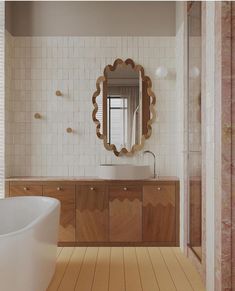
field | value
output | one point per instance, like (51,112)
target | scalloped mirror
(123,107)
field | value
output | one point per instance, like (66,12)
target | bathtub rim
(29,226)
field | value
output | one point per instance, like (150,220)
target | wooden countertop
(83,179)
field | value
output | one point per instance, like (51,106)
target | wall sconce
(194,72)
(69,130)
(161,72)
(58,93)
(37,116)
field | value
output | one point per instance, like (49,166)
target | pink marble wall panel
(233,145)
(223,251)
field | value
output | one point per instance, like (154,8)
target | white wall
(42,65)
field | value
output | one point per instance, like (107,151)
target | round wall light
(161,72)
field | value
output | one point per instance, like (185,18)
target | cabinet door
(66,195)
(159,213)
(125,213)
(92,214)
(25,190)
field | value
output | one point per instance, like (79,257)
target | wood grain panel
(125,213)
(92,214)
(159,213)
(66,195)
(25,190)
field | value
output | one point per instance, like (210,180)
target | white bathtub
(28,242)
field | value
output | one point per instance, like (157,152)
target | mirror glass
(123,107)
(194,127)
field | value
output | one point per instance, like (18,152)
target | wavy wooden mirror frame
(151,112)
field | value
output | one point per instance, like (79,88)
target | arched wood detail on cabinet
(159,213)
(92,214)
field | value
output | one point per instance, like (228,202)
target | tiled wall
(42,65)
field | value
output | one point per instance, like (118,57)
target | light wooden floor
(124,269)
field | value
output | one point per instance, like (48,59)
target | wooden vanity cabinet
(161,213)
(92,213)
(65,193)
(125,213)
(98,212)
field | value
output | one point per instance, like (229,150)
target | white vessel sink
(124,172)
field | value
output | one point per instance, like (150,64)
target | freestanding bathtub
(28,242)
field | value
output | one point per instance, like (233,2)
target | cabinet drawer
(160,193)
(125,192)
(58,189)
(25,190)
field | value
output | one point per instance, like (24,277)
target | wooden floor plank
(190,271)
(132,275)
(61,266)
(161,271)
(117,276)
(124,269)
(147,275)
(85,278)
(59,249)
(101,278)
(180,280)
(73,269)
